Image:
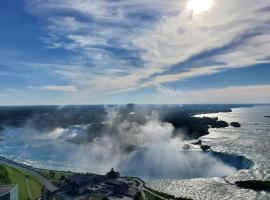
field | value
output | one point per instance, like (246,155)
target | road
(33,171)
(142,188)
(44,181)
(154,194)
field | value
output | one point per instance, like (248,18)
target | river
(252,140)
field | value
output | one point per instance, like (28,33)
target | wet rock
(236,124)
(186,147)
(220,124)
(199,142)
(254,185)
(202,146)
(205,147)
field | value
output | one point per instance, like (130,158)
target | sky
(62,52)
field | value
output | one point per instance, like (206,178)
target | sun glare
(199,6)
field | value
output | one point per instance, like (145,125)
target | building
(116,186)
(79,183)
(93,187)
(112,174)
(9,192)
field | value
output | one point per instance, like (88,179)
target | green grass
(55,175)
(20,177)
(4,178)
(150,196)
(35,187)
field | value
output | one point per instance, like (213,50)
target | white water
(251,140)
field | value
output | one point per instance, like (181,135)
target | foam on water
(252,140)
(245,149)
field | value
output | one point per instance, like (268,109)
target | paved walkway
(154,194)
(142,188)
(30,170)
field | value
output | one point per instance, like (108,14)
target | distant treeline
(46,118)
(195,127)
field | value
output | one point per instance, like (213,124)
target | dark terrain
(47,118)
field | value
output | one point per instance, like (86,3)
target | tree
(52,173)
(138,196)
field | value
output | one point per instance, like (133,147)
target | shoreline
(32,170)
(145,187)
(141,183)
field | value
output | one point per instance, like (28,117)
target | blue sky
(141,51)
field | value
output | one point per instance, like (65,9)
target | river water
(252,140)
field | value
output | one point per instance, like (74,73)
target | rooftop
(115,182)
(113,174)
(6,188)
(82,179)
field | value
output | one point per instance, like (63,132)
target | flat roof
(85,178)
(115,182)
(6,188)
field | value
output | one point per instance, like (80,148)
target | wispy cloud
(127,45)
(233,94)
(12,90)
(61,88)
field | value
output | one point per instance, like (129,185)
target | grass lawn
(55,175)
(150,196)
(29,187)
(35,187)
(4,178)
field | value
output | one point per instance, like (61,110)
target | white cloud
(61,88)
(239,29)
(189,73)
(233,94)
(12,90)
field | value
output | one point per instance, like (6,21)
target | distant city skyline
(63,52)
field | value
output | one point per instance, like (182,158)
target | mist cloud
(134,142)
(147,150)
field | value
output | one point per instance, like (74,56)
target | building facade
(9,192)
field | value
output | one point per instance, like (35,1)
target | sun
(199,6)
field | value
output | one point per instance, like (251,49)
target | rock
(205,147)
(236,124)
(186,147)
(199,142)
(254,185)
(220,124)
(202,146)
